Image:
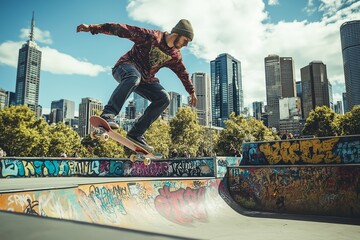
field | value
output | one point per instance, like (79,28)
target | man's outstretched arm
(133,33)
(83,28)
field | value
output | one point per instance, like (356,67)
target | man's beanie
(184,28)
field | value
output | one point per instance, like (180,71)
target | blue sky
(77,65)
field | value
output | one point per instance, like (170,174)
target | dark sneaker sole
(147,148)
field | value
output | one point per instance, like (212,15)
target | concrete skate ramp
(188,208)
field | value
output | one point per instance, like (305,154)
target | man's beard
(176,42)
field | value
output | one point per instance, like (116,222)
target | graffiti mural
(223,162)
(329,150)
(182,202)
(29,167)
(175,205)
(317,190)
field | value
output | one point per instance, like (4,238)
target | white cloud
(351,12)
(53,61)
(232,27)
(337,97)
(331,7)
(310,7)
(9,52)
(60,63)
(39,35)
(240,29)
(273,2)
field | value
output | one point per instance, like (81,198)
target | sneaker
(141,141)
(111,121)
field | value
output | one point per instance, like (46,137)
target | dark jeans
(129,81)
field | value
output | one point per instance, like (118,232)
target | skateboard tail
(98,122)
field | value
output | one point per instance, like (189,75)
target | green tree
(63,139)
(350,122)
(209,139)
(238,130)
(186,132)
(158,136)
(21,134)
(322,122)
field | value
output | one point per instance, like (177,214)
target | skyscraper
(202,85)
(344,101)
(226,88)
(331,99)
(290,116)
(10,100)
(3,97)
(338,107)
(130,110)
(140,104)
(62,110)
(315,87)
(175,104)
(350,44)
(280,83)
(87,108)
(258,109)
(28,73)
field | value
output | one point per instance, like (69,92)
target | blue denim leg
(159,99)
(129,78)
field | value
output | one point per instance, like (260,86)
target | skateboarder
(135,70)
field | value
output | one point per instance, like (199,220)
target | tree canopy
(322,122)
(350,122)
(23,135)
(158,136)
(239,129)
(185,131)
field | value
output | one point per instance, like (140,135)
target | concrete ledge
(325,150)
(79,167)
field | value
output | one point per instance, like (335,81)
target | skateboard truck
(140,156)
(100,133)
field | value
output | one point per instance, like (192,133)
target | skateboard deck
(104,131)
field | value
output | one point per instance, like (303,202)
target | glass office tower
(350,44)
(226,88)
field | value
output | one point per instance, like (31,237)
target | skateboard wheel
(104,137)
(93,135)
(147,161)
(133,157)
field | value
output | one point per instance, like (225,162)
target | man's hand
(193,99)
(83,28)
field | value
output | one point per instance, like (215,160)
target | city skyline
(78,65)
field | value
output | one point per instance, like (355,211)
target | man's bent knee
(165,99)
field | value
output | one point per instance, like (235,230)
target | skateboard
(103,132)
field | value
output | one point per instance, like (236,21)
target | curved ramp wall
(323,190)
(174,206)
